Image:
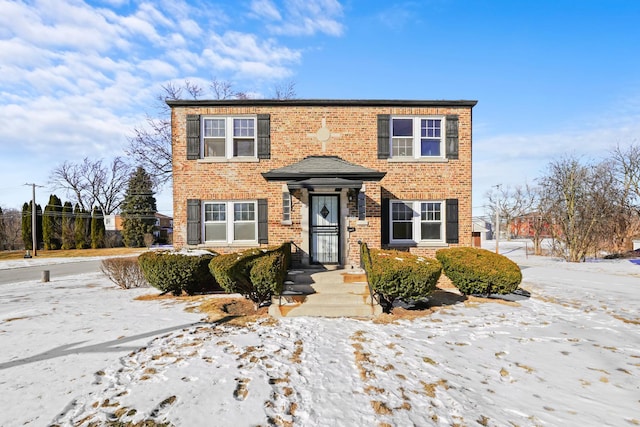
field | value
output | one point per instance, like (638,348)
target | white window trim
(228,146)
(287,199)
(416,221)
(417,137)
(230,221)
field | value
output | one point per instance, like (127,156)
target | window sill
(420,160)
(432,245)
(229,245)
(362,223)
(232,160)
(418,245)
(286,222)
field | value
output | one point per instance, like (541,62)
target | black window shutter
(384,141)
(452,220)
(384,221)
(452,137)
(264,136)
(263,221)
(193,221)
(193,136)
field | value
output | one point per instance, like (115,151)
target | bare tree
(222,89)
(625,166)
(150,146)
(286,90)
(92,183)
(11,223)
(579,200)
(511,203)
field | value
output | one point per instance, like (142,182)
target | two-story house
(323,174)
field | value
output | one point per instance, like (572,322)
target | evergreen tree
(39,234)
(68,236)
(138,209)
(26,226)
(52,224)
(3,236)
(80,227)
(97,228)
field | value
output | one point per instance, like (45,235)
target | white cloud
(77,78)
(301,17)
(265,9)
(245,53)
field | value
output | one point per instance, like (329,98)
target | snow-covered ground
(79,350)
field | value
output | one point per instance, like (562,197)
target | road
(23,274)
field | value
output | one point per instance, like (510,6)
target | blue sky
(551,77)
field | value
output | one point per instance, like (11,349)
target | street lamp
(497,217)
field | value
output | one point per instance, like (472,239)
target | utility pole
(498,218)
(34,235)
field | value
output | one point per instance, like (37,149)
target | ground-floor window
(230,222)
(416,221)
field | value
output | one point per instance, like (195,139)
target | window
(286,206)
(416,221)
(417,137)
(229,222)
(228,137)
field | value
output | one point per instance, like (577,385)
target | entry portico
(324,185)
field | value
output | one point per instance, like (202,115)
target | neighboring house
(323,174)
(528,225)
(163,230)
(113,222)
(481,231)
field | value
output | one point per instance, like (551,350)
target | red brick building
(323,174)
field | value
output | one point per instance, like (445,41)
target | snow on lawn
(82,351)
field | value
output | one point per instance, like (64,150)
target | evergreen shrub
(399,275)
(479,271)
(176,272)
(256,273)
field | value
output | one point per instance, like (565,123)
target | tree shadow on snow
(105,347)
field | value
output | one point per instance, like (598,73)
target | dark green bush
(479,271)
(394,274)
(176,272)
(256,273)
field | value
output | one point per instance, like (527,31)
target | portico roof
(323,167)
(322,172)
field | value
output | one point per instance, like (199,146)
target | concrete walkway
(325,293)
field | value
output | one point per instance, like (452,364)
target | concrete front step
(332,293)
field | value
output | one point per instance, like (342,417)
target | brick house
(323,174)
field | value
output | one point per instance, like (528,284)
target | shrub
(394,274)
(256,273)
(178,271)
(124,272)
(479,271)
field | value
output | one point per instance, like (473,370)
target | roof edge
(319,102)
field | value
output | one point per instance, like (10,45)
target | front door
(325,229)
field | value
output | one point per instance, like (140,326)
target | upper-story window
(417,137)
(228,137)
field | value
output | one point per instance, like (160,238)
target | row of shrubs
(260,273)
(402,275)
(257,273)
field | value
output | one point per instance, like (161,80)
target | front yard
(84,351)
